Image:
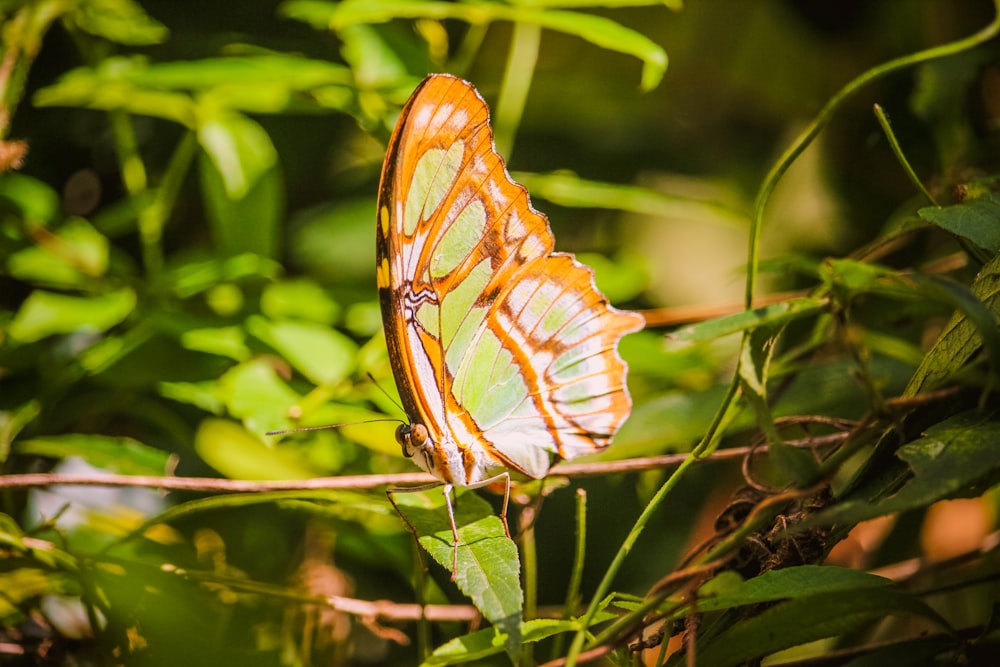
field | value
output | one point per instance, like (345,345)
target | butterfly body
(504,352)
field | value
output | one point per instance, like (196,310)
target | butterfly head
(412,438)
(416,439)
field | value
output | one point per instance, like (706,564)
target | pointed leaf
(791,582)
(963,335)
(773,315)
(807,619)
(488,566)
(956,456)
(976,219)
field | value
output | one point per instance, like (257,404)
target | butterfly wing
(504,350)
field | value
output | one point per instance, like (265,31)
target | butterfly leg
(505,476)
(454,530)
(506,500)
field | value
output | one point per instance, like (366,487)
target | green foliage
(487,564)
(186,263)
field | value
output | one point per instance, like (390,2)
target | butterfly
(504,352)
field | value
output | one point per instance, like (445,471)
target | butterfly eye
(411,437)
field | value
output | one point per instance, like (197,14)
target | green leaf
(805,619)
(854,276)
(259,84)
(243,219)
(567,189)
(12,422)
(774,315)
(962,336)
(108,86)
(369,429)
(976,219)
(598,30)
(675,5)
(36,202)
(46,313)
(291,72)
(121,21)
(322,354)
(27,583)
(488,567)
(225,341)
(203,395)
(68,258)
(486,642)
(122,455)
(240,151)
(791,582)
(956,456)
(335,243)
(298,299)
(371,59)
(253,392)
(238,454)
(194,277)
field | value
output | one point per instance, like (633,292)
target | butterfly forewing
(504,350)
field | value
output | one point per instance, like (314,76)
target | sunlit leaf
(372,430)
(46,313)
(108,87)
(13,420)
(121,21)
(488,566)
(371,59)
(298,299)
(254,392)
(70,257)
(204,395)
(238,454)
(35,201)
(567,189)
(23,584)
(225,341)
(244,219)
(322,354)
(336,243)
(239,76)
(596,29)
(773,315)
(194,277)
(240,151)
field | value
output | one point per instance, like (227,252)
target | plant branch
(215,485)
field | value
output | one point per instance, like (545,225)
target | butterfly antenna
(304,429)
(384,392)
